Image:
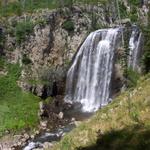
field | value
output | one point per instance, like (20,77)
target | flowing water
(135,46)
(89,78)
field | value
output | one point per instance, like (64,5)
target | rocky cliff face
(46,53)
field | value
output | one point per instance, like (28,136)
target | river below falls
(74,115)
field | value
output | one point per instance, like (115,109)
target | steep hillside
(123,124)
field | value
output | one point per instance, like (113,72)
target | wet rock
(37,132)
(42,111)
(73,119)
(7,131)
(47,145)
(61,115)
(77,123)
(26,136)
(32,136)
(43,124)
(41,107)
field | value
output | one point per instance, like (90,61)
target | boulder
(61,115)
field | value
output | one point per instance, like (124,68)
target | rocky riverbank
(56,119)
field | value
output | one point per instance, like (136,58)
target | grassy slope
(17,109)
(123,124)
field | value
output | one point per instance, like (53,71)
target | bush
(146,61)
(18,8)
(134,2)
(26,60)
(68,25)
(146,56)
(132,77)
(23,29)
(10,9)
(123,11)
(1,38)
(2,63)
(134,14)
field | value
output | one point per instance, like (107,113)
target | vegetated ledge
(123,124)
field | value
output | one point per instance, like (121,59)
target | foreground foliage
(123,124)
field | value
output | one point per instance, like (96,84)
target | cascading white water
(88,79)
(135,48)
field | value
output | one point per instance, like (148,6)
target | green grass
(18,109)
(17,8)
(123,124)
(131,138)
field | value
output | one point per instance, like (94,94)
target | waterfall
(135,48)
(89,77)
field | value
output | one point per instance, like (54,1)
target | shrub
(134,2)
(146,61)
(23,29)
(2,63)
(123,11)
(1,38)
(26,60)
(10,9)
(68,25)
(146,56)
(132,77)
(134,15)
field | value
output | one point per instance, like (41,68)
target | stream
(74,115)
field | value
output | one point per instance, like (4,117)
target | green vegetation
(132,78)
(18,109)
(18,7)
(123,11)
(26,60)
(130,138)
(146,60)
(48,100)
(123,124)
(2,62)
(2,38)
(134,2)
(68,25)
(146,57)
(23,29)
(133,15)
(10,9)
